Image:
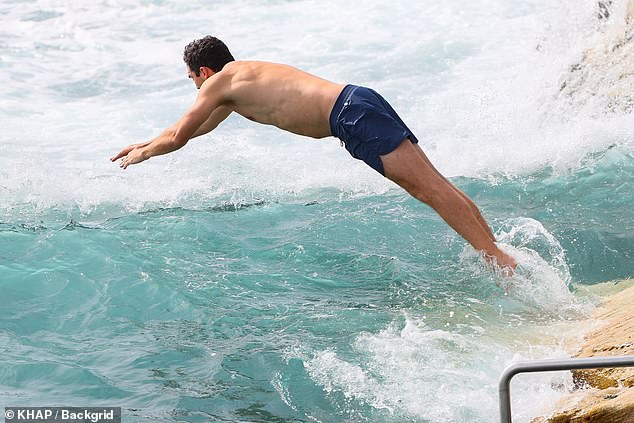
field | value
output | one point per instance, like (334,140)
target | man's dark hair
(208,51)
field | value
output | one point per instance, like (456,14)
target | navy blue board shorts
(368,126)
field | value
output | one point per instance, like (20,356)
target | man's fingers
(122,153)
(129,155)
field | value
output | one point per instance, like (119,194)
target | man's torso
(281,95)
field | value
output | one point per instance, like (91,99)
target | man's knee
(429,192)
(422,196)
(430,195)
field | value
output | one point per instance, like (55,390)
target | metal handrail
(548,366)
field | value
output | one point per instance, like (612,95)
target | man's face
(198,80)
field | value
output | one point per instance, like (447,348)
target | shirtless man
(298,102)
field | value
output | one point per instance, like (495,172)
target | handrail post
(504,388)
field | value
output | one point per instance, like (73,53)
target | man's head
(208,52)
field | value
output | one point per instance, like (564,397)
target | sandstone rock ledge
(603,395)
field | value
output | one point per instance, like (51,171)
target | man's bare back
(299,102)
(277,95)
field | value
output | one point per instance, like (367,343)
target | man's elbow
(205,128)
(176,139)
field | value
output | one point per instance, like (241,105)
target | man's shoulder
(249,63)
(243,68)
(249,71)
(240,65)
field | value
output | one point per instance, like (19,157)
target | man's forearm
(167,141)
(164,143)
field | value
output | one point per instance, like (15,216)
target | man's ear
(206,72)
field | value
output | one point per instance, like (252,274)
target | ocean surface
(258,276)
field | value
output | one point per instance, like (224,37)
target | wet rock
(603,395)
(604,9)
(610,405)
(603,77)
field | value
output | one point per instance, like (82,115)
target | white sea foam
(450,374)
(542,282)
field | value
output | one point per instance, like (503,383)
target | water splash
(393,370)
(400,363)
(542,280)
(526,235)
(538,283)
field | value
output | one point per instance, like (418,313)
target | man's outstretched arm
(198,120)
(164,141)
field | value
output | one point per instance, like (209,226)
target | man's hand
(132,154)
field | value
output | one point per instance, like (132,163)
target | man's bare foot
(502,262)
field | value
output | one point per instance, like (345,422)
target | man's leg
(474,208)
(409,168)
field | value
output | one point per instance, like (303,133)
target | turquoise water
(262,277)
